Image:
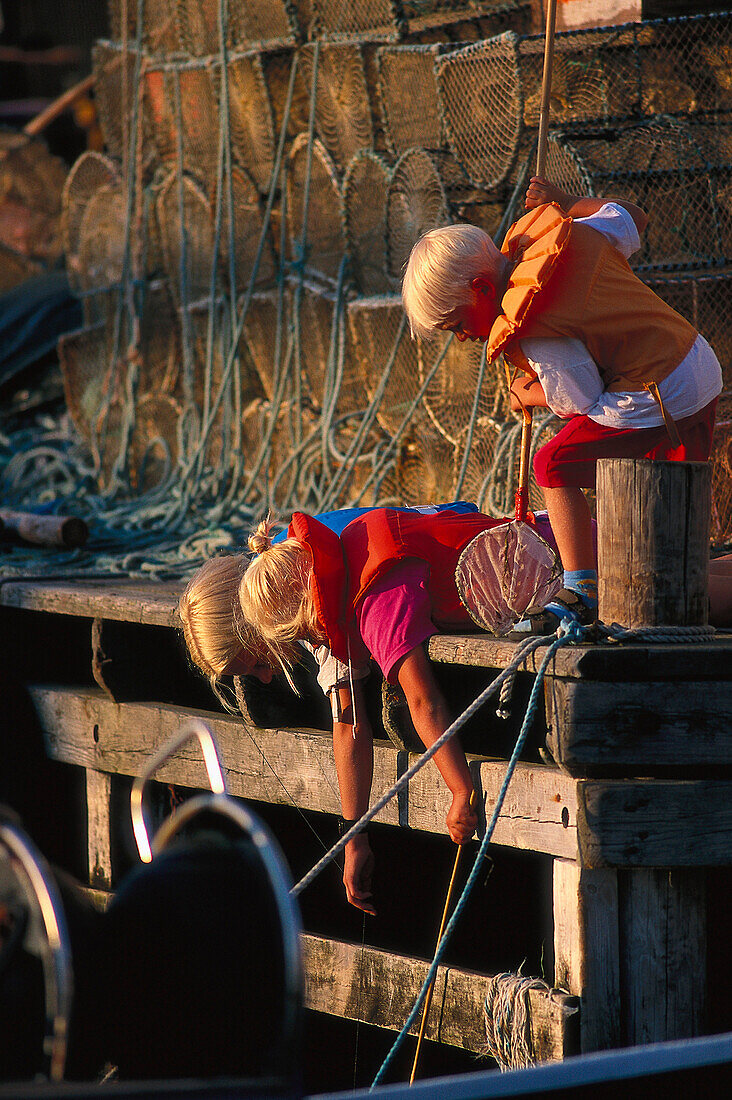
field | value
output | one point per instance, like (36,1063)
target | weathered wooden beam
(98,792)
(596,727)
(587,949)
(378,987)
(295,766)
(599,822)
(153,603)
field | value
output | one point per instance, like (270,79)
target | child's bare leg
(571,522)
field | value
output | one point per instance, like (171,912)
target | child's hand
(358,872)
(461,818)
(541,191)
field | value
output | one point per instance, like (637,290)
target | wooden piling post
(633,941)
(653,521)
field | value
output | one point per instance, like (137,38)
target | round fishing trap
(358,20)
(263,24)
(407,87)
(314,322)
(415,203)
(116,98)
(481,105)
(84,361)
(243,238)
(153,449)
(365,188)
(159,29)
(89,173)
(455,370)
(277,68)
(99,260)
(705,299)
(253,138)
(187,236)
(387,358)
(260,327)
(193,95)
(160,351)
(425,469)
(678,170)
(342,108)
(324,240)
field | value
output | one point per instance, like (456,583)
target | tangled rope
(507,1012)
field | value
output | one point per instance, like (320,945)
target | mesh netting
(342,108)
(297,384)
(677,169)
(365,187)
(31,196)
(415,203)
(314,208)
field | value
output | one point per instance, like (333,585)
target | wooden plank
(594,726)
(663,954)
(359,982)
(654,823)
(98,793)
(127,601)
(710,660)
(295,766)
(586,949)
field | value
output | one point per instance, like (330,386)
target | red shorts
(568,460)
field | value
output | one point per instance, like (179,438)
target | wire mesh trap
(342,108)
(365,189)
(679,170)
(408,95)
(187,236)
(320,227)
(358,20)
(253,137)
(258,24)
(159,31)
(415,203)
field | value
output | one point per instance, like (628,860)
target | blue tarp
(32,317)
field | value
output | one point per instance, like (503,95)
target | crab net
(239,244)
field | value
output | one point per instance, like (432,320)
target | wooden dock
(631,812)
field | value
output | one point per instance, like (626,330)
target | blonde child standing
(632,377)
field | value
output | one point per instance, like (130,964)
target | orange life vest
(345,567)
(569,281)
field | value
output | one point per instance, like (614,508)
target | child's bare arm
(431,718)
(354,761)
(527,393)
(578,206)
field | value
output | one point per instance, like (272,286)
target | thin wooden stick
(50,113)
(546,86)
(443,922)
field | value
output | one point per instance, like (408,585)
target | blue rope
(567,633)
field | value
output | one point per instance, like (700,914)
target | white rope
(507,1011)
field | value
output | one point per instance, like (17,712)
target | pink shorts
(395,615)
(568,460)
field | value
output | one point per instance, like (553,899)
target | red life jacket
(345,568)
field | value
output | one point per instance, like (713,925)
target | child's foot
(540,621)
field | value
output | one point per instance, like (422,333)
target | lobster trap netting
(239,245)
(342,107)
(415,203)
(314,217)
(365,189)
(679,170)
(490,91)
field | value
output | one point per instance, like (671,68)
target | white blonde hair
(440,269)
(275,597)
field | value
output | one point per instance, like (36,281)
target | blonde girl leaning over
(308,587)
(221,643)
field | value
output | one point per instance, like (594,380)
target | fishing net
(320,226)
(300,386)
(415,203)
(253,137)
(490,91)
(358,20)
(342,108)
(365,189)
(677,169)
(721,460)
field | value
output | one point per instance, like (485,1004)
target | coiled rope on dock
(508,1019)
